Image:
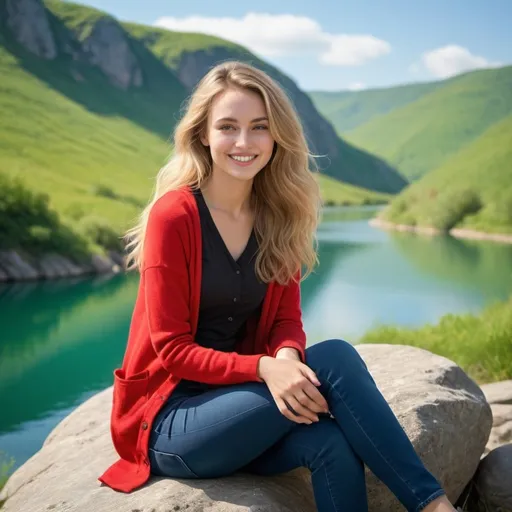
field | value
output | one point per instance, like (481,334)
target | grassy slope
(59,147)
(347,110)
(66,148)
(418,137)
(483,170)
(169,46)
(480,344)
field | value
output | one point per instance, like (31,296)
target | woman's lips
(243,164)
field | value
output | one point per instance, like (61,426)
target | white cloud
(356,86)
(451,60)
(284,34)
(353,50)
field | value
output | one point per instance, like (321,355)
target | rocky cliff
(28,21)
(46,31)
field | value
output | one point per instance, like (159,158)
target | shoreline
(20,266)
(430,231)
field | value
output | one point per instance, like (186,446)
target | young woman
(216,377)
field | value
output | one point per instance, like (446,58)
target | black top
(230,290)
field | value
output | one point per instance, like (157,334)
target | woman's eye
(225,127)
(261,127)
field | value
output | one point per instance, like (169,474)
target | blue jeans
(238,427)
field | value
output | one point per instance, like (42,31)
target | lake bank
(21,266)
(455,232)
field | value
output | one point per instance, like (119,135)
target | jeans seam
(322,465)
(218,423)
(329,486)
(371,441)
(431,498)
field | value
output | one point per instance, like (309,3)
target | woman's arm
(167,297)
(287,330)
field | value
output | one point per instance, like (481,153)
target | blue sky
(341,44)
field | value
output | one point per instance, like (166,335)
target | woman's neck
(231,197)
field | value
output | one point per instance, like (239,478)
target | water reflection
(59,340)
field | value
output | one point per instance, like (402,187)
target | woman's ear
(204,139)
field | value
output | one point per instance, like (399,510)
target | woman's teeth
(243,158)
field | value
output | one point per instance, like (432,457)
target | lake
(60,340)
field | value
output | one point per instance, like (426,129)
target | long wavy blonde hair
(285,193)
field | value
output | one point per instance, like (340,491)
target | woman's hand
(292,382)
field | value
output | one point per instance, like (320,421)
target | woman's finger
(312,391)
(285,411)
(311,375)
(306,401)
(300,409)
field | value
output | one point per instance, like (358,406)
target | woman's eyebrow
(233,120)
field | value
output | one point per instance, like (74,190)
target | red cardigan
(161,349)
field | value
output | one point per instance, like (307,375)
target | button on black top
(230,290)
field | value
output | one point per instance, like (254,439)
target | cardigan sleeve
(167,298)
(287,329)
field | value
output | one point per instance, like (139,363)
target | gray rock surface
(498,392)
(499,395)
(28,21)
(109,49)
(15,266)
(443,412)
(493,482)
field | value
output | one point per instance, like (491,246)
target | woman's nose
(243,139)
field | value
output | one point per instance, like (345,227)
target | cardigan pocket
(129,399)
(169,465)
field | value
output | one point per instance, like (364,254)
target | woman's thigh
(216,432)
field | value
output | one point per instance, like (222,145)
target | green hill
(349,109)
(472,189)
(419,136)
(91,145)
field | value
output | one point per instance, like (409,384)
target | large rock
(28,21)
(444,413)
(18,266)
(109,49)
(492,484)
(499,395)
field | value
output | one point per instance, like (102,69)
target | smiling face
(238,134)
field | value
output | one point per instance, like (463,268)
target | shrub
(395,209)
(99,231)
(104,191)
(453,206)
(27,222)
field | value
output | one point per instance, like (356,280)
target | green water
(60,340)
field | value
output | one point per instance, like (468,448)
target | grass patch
(5,468)
(480,344)
(335,193)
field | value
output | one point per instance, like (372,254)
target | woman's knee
(324,443)
(336,354)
